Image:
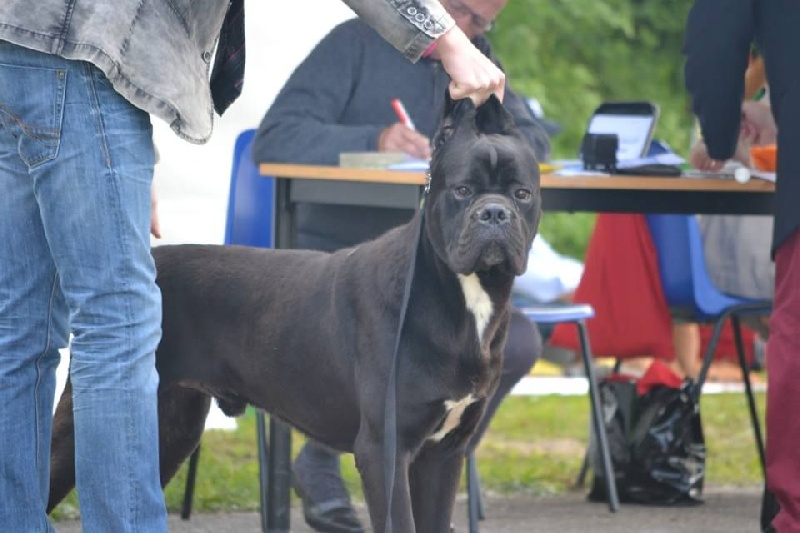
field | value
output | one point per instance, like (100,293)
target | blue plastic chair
(688,287)
(251,199)
(576,314)
(250,223)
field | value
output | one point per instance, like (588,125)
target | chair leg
(580,481)
(474,501)
(263,460)
(476,476)
(279,473)
(748,389)
(191,477)
(597,419)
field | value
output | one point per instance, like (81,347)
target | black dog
(309,336)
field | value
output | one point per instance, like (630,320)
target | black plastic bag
(657,444)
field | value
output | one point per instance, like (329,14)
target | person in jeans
(78,83)
(339,100)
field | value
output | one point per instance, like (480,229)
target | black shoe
(332,516)
(318,482)
(769,510)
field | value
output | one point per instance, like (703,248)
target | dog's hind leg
(62,450)
(434,475)
(182,416)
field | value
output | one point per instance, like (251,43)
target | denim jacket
(158,53)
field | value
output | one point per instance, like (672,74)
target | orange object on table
(765,158)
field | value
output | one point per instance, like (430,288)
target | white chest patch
(454,410)
(478,301)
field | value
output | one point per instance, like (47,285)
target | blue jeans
(76,166)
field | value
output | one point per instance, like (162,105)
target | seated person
(737,248)
(550,277)
(339,100)
(621,276)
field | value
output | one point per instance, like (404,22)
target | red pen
(402,114)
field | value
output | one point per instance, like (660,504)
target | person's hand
(757,128)
(400,138)
(758,124)
(155,225)
(699,158)
(472,74)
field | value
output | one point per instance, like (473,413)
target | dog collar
(426,190)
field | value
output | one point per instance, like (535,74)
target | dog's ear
(453,114)
(492,117)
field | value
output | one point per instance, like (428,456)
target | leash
(390,410)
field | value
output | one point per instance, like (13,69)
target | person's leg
(33,315)
(523,348)
(94,199)
(783,393)
(318,482)
(686,339)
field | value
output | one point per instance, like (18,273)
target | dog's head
(484,190)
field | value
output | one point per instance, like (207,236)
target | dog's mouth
(493,254)
(481,249)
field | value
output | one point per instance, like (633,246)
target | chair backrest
(682,266)
(250,219)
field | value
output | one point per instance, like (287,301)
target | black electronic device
(599,151)
(633,122)
(656,170)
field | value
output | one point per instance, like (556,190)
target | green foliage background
(572,55)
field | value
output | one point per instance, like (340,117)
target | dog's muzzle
(493,236)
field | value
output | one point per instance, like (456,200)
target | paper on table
(727,172)
(767,176)
(411,164)
(421,164)
(658,159)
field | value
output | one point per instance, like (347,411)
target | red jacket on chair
(621,282)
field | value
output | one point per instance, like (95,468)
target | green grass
(535,445)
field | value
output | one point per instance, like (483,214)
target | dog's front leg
(369,453)
(434,476)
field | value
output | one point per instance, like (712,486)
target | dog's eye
(462,191)
(522,194)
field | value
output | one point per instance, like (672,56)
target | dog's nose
(494,214)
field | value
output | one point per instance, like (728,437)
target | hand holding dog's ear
(472,74)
